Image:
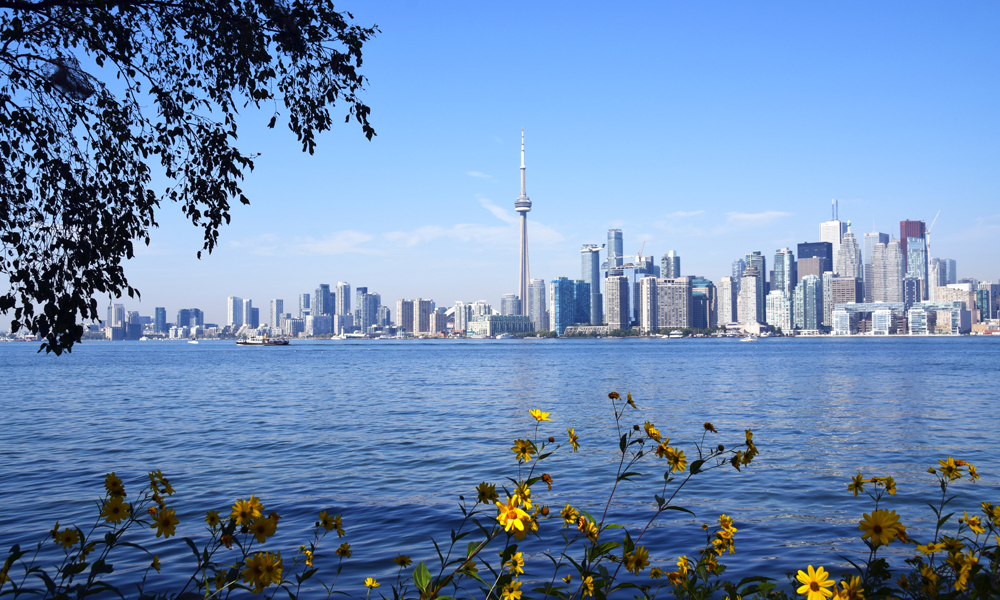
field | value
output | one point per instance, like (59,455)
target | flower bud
(552,438)
(721,448)
(545,511)
(636,427)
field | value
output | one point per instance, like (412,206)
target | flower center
(877,529)
(814,586)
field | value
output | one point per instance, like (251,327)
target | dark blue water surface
(390,433)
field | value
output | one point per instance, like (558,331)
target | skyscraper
(750,307)
(234,311)
(582,297)
(756,259)
(422,310)
(673,302)
(908,229)
(342,301)
(616,252)
(916,261)
(537,304)
(591,273)
(254,320)
(322,301)
(832,231)
(522,205)
(277,309)
(937,276)
(952,271)
(247,312)
(510,304)
(849,257)
(670,265)
(616,288)
(648,317)
(183,318)
(785,272)
(739,265)
(820,250)
(870,240)
(404,315)
(562,297)
(808,305)
(700,285)
(886,277)
(728,294)
(303,305)
(160,319)
(779,310)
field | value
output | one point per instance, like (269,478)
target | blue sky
(713,129)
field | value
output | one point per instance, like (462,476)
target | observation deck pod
(522,204)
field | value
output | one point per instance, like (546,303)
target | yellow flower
(972,472)
(881,526)
(402,560)
(156,562)
(587,586)
(655,573)
(568,578)
(676,460)
(523,449)
(523,496)
(212,518)
(539,415)
(469,568)
(114,510)
(569,515)
(851,589)
(815,584)
(254,571)
(857,484)
(950,469)
(330,523)
(637,560)
(709,427)
(344,551)
(244,511)
(651,431)
(271,568)
(574,439)
(628,398)
(930,548)
(164,522)
(114,485)
(486,493)
(370,583)
(974,523)
(309,557)
(682,565)
(930,580)
(512,591)
(263,528)
(675,577)
(951,544)
(663,450)
(588,528)
(890,485)
(511,516)
(516,564)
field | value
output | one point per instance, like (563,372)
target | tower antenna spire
(522,205)
(522,163)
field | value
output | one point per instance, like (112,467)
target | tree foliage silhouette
(159,97)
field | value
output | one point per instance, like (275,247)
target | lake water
(389,433)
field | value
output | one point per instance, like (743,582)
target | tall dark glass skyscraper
(590,272)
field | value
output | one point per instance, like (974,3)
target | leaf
(944,519)
(696,466)
(471,548)
(421,577)
(680,508)
(194,549)
(625,476)
(628,545)
(101,567)
(659,499)
(623,442)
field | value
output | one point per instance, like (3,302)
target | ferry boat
(261,340)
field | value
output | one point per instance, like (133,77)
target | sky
(713,129)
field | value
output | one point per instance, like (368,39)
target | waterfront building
(562,307)
(750,309)
(254,321)
(758,260)
(439,322)
(785,272)
(842,322)
(341,300)
(910,229)
(160,319)
(303,305)
(383,318)
(342,324)
(318,325)
(670,265)
(728,302)
(846,289)
(481,308)
(940,318)
(293,327)
(779,310)
(582,296)
(590,256)
(883,316)
(323,300)
(827,319)
(916,261)
(422,310)
(277,309)
(617,297)
(462,314)
(870,240)
(988,300)
(849,257)
(886,273)
(937,276)
(494,325)
(246,310)
(537,305)
(960,292)
(699,310)
(510,304)
(522,206)
(648,315)
(404,315)
(912,291)
(234,312)
(366,307)
(700,285)
(807,306)
(739,265)
(883,322)
(673,302)
(197,317)
(183,318)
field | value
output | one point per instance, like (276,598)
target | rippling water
(390,433)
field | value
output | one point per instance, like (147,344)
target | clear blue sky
(712,128)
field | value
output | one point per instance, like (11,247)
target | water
(390,433)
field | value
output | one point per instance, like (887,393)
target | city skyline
(741,126)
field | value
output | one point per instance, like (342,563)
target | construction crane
(928,234)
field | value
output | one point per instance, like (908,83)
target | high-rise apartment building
(779,310)
(673,302)
(247,311)
(404,315)
(322,300)
(342,300)
(870,240)
(254,320)
(739,265)
(160,319)
(849,257)
(820,250)
(785,272)
(277,309)
(537,307)
(366,309)
(562,307)
(422,310)
(728,302)
(616,291)
(197,317)
(952,271)
(590,256)
(916,261)
(648,317)
(581,294)
(846,289)
(908,229)
(700,285)
(234,312)
(988,299)
(756,259)
(750,307)
(912,290)
(827,320)
(886,276)
(670,265)
(510,304)
(808,304)
(937,276)
(616,253)
(303,305)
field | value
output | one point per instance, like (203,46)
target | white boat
(192,341)
(505,336)
(260,340)
(748,338)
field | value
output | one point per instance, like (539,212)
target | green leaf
(625,476)
(944,519)
(623,442)
(680,508)
(421,577)
(471,548)
(628,545)
(101,567)
(696,466)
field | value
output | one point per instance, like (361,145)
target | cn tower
(523,205)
